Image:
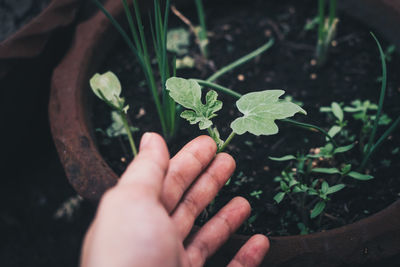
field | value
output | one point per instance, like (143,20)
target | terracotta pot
(30,40)
(370,239)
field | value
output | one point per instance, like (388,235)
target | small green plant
(138,44)
(326,29)
(202,30)
(260,109)
(108,88)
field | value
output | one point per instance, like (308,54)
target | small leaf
(178,41)
(343,149)
(318,208)
(284,186)
(284,158)
(337,111)
(260,110)
(279,197)
(335,188)
(324,187)
(326,170)
(107,87)
(334,130)
(188,94)
(346,169)
(359,176)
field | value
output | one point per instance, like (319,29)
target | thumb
(149,167)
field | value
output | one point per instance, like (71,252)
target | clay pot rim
(65,144)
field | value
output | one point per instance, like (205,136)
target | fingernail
(146,139)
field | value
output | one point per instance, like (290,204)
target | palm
(162,199)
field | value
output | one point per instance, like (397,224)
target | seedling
(202,31)
(108,88)
(326,29)
(260,109)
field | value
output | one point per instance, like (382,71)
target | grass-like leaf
(326,170)
(360,176)
(284,158)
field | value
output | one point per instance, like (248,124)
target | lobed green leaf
(260,110)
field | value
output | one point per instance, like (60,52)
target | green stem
(311,126)
(381,98)
(379,143)
(203,32)
(321,25)
(332,11)
(124,117)
(226,143)
(218,88)
(241,61)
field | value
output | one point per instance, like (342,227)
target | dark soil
(16,13)
(350,73)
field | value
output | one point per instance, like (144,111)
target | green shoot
(202,32)
(260,109)
(371,147)
(108,88)
(326,30)
(241,61)
(165,107)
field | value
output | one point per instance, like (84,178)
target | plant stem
(332,11)
(381,100)
(379,143)
(218,87)
(241,60)
(311,126)
(203,32)
(226,143)
(321,25)
(124,117)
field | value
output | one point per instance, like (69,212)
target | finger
(215,233)
(148,169)
(185,167)
(202,193)
(252,253)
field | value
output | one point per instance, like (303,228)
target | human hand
(146,218)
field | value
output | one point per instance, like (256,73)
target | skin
(145,220)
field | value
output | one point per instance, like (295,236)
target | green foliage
(108,88)
(188,94)
(327,28)
(178,41)
(117,127)
(260,110)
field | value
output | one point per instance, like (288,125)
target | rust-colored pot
(30,41)
(374,238)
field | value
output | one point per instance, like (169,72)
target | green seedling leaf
(178,41)
(324,187)
(337,111)
(284,158)
(318,208)
(343,149)
(108,88)
(360,176)
(279,197)
(335,188)
(284,186)
(188,94)
(334,130)
(326,170)
(346,169)
(260,110)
